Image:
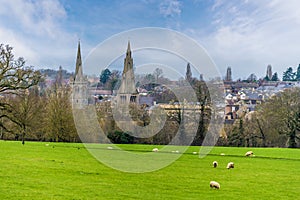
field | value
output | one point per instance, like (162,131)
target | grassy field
(68,171)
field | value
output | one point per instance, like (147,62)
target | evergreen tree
(266,78)
(252,78)
(298,73)
(289,75)
(275,77)
(105,75)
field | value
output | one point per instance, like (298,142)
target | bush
(119,137)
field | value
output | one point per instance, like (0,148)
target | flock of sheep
(230,165)
(212,184)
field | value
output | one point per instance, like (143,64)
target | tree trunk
(262,133)
(292,140)
(23,138)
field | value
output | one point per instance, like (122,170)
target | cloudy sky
(244,34)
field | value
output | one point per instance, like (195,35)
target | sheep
(214,184)
(194,152)
(215,164)
(109,148)
(222,154)
(155,150)
(249,153)
(230,165)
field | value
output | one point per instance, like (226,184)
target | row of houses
(243,98)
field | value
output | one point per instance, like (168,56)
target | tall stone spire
(78,70)
(128,48)
(127,88)
(79,84)
(59,78)
(128,61)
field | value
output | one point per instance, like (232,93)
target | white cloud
(35,30)
(170,8)
(35,17)
(20,48)
(250,35)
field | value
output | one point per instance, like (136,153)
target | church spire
(128,85)
(128,47)
(79,84)
(78,71)
(128,53)
(128,61)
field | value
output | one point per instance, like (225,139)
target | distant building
(79,84)
(127,92)
(269,72)
(188,75)
(201,77)
(228,76)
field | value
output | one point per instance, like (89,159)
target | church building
(79,84)
(127,92)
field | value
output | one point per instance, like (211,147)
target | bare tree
(15,77)
(157,74)
(59,121)
(276,122)
(283,111)
(25,112)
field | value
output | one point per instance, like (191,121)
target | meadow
(68,171)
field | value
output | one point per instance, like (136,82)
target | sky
(246,35)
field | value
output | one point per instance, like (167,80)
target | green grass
(69,171)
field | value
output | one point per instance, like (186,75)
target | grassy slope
(68,171)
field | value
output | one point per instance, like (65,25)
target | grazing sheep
(194,152)
(214,184)
(155,150)
(46,145)
(222,154)
(230,165)
(249,153)
(215,164)
(110,148)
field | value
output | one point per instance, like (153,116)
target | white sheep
(249,153)
(215,164)
(230,165)
(155,150)
(110,148)
(214,184)
(222,154)
(194,152)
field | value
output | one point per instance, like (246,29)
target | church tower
(79,84)
(127,92)
(228,76)
(269,72)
